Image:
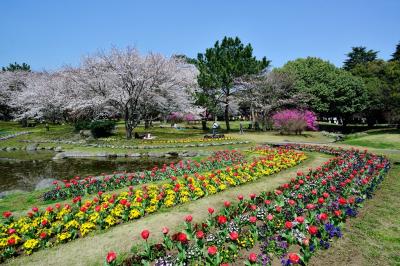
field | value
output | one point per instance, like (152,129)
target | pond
(23,170)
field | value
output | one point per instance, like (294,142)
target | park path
(92,250)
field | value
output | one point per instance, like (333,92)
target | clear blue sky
(50,34)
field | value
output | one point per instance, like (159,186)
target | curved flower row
(187,140)
(59,224)
(89,185)
(289,224)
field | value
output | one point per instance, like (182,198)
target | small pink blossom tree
(294,121)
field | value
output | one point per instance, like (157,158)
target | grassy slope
(92,250)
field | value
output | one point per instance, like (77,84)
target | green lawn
(372,238)
(381,139)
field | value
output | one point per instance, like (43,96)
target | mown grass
(380,139)
(372,238)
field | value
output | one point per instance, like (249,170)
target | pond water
(23,170)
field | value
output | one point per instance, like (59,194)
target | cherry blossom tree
(134,84)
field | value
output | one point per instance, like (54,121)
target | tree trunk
(204,124)
(253,117)
(128,125)
(227,117)
(146,124)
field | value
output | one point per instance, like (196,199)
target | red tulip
(58,205)
(210,210)
(200,234)
(188,218)
(43,235)
(291,202)
(221,219)
(252,196)
(253,257)
(321,200)
(323,216)
(227,204)
(253,219)
(35,209)
(111,256)
(288,224)
(325,195)
(300,219)
(310,206)
(11,241)
(182,237)
(240,197)
(234,236)
(270,217)
(337,212)
(342,201)
(165,230)
(267,202)
(313,230)
(11,231)
(212,250)
(145,234)
(294,258)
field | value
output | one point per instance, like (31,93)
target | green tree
(17,67)
(359,55)
(220,65)
(335,92)
(396,54)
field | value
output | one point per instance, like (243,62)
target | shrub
(81,125)
(294,121)
(102,128)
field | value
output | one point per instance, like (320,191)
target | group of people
(215,126)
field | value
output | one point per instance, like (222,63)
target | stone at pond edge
(32,147)
(45,183)
(58,149)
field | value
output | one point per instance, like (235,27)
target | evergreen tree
(220,65)
(359,55)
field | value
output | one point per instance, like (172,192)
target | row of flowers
(62,223)
(81,186)
(288,225)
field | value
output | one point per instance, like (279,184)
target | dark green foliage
(396,54)
(220,65)
(335,92)
(17,67)
(359,55)
(99,128)
(102,128)
(82,125)
(382,82)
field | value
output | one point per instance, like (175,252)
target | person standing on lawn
(214,128)
(241,128)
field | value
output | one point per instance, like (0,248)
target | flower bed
(89,185)
(152,144)
(288,225)
(60,224)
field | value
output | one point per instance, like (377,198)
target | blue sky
(50,34)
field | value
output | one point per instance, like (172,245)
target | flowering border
(60,224)
(289,224)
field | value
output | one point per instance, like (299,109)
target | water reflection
(22,170)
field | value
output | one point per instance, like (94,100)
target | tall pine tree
(220,65)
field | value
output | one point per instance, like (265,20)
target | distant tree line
(225,81)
